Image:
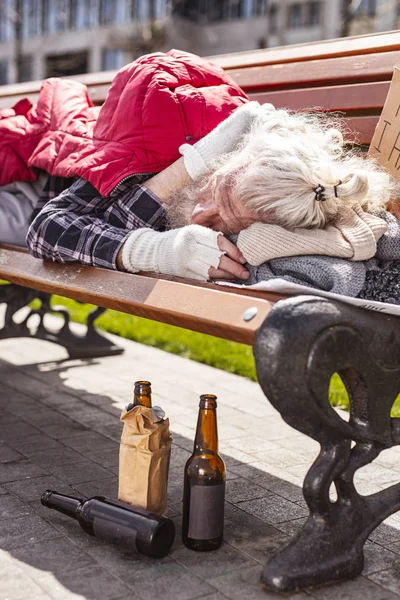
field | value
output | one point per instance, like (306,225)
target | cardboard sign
(385,145)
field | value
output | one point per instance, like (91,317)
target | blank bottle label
(114,532)
(206,517)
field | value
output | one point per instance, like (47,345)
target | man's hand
(231,209)
(223,210)
(230,264)
(192,251)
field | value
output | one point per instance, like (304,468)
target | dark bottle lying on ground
(122,524)
(204,484)
(142,394)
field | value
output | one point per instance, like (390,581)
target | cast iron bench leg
(92,344)
(301,344)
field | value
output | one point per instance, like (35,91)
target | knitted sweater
(354,237)
(374,279)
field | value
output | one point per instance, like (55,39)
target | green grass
(229,356)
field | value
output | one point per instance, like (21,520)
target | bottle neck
(142,400)
(142,394)
(65,504)
(206,440)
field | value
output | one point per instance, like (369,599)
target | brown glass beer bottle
(204,484)
(142,394)
(128,526)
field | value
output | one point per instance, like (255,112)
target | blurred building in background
(44,38)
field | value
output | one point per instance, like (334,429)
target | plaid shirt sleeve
(80,226)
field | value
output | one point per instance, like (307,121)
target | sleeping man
(282,183)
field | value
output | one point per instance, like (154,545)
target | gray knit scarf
(375,279)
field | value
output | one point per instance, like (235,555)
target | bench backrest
(351,75)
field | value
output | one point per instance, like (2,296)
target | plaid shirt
(77,225)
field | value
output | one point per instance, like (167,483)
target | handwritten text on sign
(385,145)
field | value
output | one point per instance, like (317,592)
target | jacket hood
(154,105)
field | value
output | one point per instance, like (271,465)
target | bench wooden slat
(210,309)
(361,129)
(314,73)
(351,46)
(361,97)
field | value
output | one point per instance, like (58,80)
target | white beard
(179,211)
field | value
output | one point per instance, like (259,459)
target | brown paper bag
(144,459)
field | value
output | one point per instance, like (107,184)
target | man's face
(220,209)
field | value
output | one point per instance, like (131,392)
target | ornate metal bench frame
(302,342)
(92,344)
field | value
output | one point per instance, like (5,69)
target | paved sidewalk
(59,428)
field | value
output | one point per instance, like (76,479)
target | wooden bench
(298,342)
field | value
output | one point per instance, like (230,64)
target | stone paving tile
(253,537)
(44,416)
(239,490)
(16,585)
(22,469)
(378,558)
(360,588)
(113,431)
(213,563)
(175,477)
(179,456)
(244,584)
(281,458)
(103,487)
(67,430)
(216,596)
(301,444)
(87,582)
(232,456)
(56,457)
(11,507)
(18,431)
(21,531)
(271,478)
(8,454)
(376,473)
(92,416)
(23,382)
(108,458)
(35,444)
(57,556)
(389,579)
(29,490)
(389,458)
(181,440)
(273,509)
(182,584)
(81,472)
(291,527)
(88,442)
(386,536)
(249,445)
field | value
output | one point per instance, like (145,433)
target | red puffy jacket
(63,117)
(154,105)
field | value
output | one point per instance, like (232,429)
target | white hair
(287,157)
